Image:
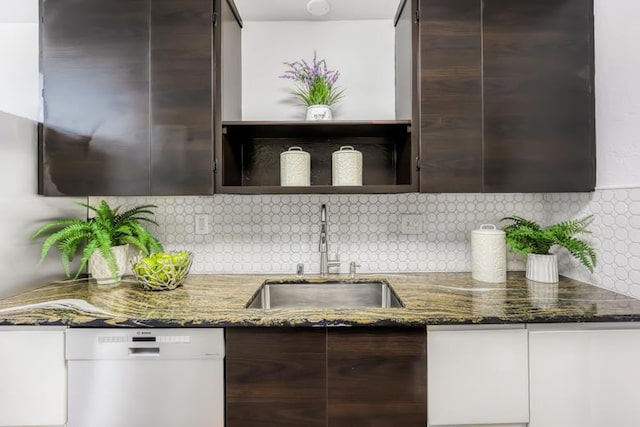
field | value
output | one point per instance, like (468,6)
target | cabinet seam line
(482,115)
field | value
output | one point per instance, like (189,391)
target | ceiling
(296,10)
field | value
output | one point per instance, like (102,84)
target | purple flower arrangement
(315,82)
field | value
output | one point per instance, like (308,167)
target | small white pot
(542,268)
(99,269)
(319,112)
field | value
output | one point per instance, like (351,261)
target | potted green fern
(530,239)
(102,240)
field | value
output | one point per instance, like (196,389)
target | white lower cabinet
(33,378)
(584,378)
(477,375)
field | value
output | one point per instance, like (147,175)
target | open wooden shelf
(250,154)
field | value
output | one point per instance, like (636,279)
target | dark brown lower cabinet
(374,377)
(276,377)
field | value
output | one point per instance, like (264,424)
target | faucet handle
(300,270)
(353,266)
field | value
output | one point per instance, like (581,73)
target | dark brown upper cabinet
(249,145)
(539,116)
(451,96)
(507,96)
(127,88)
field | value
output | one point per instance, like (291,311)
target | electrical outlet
(202,224)
(411,224)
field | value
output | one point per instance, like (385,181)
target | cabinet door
(376,377)
(33,377)
(584,378)
(95,62)
(477,377)
(128,97)
(451,96)
(538,96)
(276,377)
(181,148)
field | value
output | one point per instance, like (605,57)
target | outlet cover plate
(202,224)
(411,224)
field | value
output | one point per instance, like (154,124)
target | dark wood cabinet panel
(95,65)
(276,377)
(127,97)
(451,96)
(376,377)
(181,97)
(538,96)
(507,96)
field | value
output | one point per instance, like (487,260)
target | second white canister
(295,168)
(346,167)
(488,254)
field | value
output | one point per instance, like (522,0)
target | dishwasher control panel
(89,344)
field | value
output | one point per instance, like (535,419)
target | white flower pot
(319,112)
(542,268)
(99,269)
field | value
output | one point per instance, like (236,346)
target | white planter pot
(99,269)
(542,268)
(319,112)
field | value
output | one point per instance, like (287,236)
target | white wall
(617,85)
(21,210)
(363,52)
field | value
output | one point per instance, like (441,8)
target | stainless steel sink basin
(325,294)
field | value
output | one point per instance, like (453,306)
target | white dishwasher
(145,377)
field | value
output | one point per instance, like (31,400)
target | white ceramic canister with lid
(346,167)
(295,168)
(488,254)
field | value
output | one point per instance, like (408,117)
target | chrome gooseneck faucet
(325,262)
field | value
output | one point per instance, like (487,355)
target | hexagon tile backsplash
(273,233)
(615,236)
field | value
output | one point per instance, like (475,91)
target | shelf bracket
(417,163)
(215,165)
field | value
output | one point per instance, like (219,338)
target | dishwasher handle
(144,351)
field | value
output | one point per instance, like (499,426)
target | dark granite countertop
(219,301)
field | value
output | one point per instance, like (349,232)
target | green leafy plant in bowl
(162,271)
(98,237)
